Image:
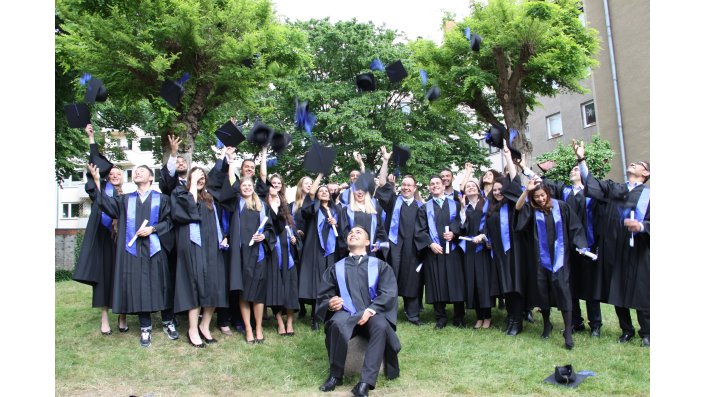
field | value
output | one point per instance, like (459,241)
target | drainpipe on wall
(616,91)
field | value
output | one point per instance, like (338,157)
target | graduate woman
(96,262)
(201,274)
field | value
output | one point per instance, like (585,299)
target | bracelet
(581,160)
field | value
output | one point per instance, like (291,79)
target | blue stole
(504,227)
(588,215)
(278,247)
(105,220)
(262,214)
(130,228)
(544,253)
(394,227)
(373,224)
(329,246)
(345,196)
(372,279)
(195,228)
(430,214)
(643,204)
(225,216)
(478,247)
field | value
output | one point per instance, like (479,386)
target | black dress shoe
(515,329)
(510,325)
(568,337)
(579,327)
(625,337)
(645,341)
(209,341)
(459,323)
(416,322)
(440,324)
(361,389)
(547,328)
(331,383)
(595,332)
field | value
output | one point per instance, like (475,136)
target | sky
(414,18)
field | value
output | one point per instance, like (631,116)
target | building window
(71,210)
(554,126)
(77,176)
(129,176)
(492,150)
(589,115)
(157,174)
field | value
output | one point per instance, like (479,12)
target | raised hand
(579,149)
(174,142)
(533,183)
(196,175)
(89,130)
(469,168)
(385,155)
(95,172)
(358,158)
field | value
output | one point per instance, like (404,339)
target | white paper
(447,242)
(261,225)
(588,254)
(335,230)
(418,268)
(631,238)
(134,238)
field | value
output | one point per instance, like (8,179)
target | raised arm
(358,160)
(469,172)
(263,164)
(510,162)
(384,169)
(530,187)
(315,185)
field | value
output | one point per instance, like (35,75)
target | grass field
(448,362)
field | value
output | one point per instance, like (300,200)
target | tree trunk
(188,122)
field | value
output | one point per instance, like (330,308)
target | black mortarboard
(280,141)
(101,162)
(365,182)
(566,376)
(366,82)
(172,92)
(475,42)
(495,136)
(515,153)
(230,134)
(400,155)
(260,134)
(77,114)
(95,91)
(396,72)
(319,159)
(433,93)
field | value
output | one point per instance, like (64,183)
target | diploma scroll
(447,242)
(144,223)
(335,230)
(587,253)
(631,238)
(259,230)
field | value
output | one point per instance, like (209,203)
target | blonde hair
(368,207)
(252,203)
(300,195)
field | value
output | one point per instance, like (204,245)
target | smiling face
(201,182)
(142,175)
(357,238)
(497,191)
(639,170)
(247,188)
(360,196)
(181,165)
(435,186)
(306,185)
(323,194)
(540,197)
(248,169)
(488,177)
(471,189)
(575,174)
(447,179)
(408,188)
(276,183)
(115,177)
(354,175)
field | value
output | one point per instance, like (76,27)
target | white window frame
(584,113)
(551,134)
(128,176)
(69,212)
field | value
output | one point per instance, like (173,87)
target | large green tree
(135,45)
(437,133)
(529,48)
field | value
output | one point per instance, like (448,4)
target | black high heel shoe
(208,341)
(201,346)
(121,329)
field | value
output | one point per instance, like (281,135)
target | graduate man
(627,212)
(447,178)
(175,170)
(359,296)
(346,189)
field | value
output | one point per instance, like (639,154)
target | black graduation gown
(298,219)
(365,220)
(96,261)
(552,288)
(141,283)
(480,276)
(443,274)
(168,183)
(313,259)
(510,266)
(283,284)
(201,278)
(403,256)
(629,282)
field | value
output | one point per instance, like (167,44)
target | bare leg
(122,321)
(193,335)
(290,321)
(206,322)
(259,313)
(280,323)
(245,311)
(104,320)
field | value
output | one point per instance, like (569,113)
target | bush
(598,155)
(63,275)
(77,247)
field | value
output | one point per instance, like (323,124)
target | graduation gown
(511,269)
(313,259)
(403,256)
(141,283)
(630,266)
(201,275)
(480,276)
(283,283)
(96,261)
(552,288)
(168,183)
(443,273)
(363,219)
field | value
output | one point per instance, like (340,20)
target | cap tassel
(85,78)
(424,78)
(377,65)
(184,78)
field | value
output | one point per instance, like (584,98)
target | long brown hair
(494,204)
(300,195)
(203,194)
(549,203)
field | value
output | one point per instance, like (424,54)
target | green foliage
(598,156)
(63,275)
(77,248)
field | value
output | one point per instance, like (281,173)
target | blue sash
(130,229)
(588,215)
(372,279)
(504,227)
(262,214)
(345,196)
(394,227)
(373,224)
(544,253)
(225,216)
(329,246)
(105,220)
(643,204)
(278,247)
(430,214)
(195,229)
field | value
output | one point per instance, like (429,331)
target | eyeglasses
(643,164)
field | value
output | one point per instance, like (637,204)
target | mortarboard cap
(101,162)
(365,182)
(566,376)
(95,91)
(280,141)
(516,155)
(400,155)
(475,42)
(319,159)
(433,93)
(260,134)
(172,92)
(495,136)
(230,134)
(396,71)
(366,82)
(77,114)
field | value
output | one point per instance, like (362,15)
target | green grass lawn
(449,362)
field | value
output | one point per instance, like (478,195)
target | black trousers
(146,317)
(339,334)
(412,308)
(484,313)
(515,306)
(625,320)
(439,310)
(227,316)
(594,314)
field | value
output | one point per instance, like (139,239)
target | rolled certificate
(467,238)
(134,238)
(631,238)
(587,253)
(335,230)
(418,268)
(288,231)
(259,230)
(447,242)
